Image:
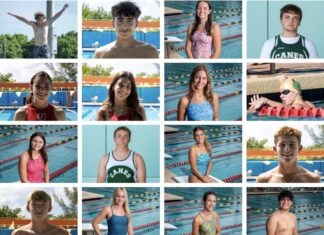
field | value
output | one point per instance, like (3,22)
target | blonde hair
(288,131)
(39,195)
(126,204)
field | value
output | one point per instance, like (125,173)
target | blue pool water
(15,139)
(181,213)
(7,114)
(227,84)
(144,204)
(89,112)
(223,140)
(307,207)
(9,231)
(227,14)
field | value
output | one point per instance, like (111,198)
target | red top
(124,117)
(46,114)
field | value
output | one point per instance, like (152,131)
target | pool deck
(171,197)
(168,129)
(171,11)
(91,196)
(263,81)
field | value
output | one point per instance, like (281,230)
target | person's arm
(59,114)
(311,49)
(217,40)
(188,42)
(218,226)
(266,49)
(295,232)
(46,173)
(130,230)
(20,114)
(271,225)
(215,107)
(257,102)
(58,14)
(101,216)
(101,114)
(140,169)
(22,19)
(22,167)
(102,169)
(193,163)
(151,52)
(141,110)
(195,226)
(262,178)
(182,108)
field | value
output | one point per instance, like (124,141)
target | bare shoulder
(190,26)
(24,230)
(215,26)
(24,155)
(216,215)
(184,100)
(264,177)
(59,231)
(103,51)
(147,50)
(138,157)
(310,177)
(101,114)
(197,219)
(21,114)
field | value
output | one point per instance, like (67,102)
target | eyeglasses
(285,92)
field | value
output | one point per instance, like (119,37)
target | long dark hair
(206,144)
(42,151)
(41,74)
(208,91)
(132,100)
(209,23)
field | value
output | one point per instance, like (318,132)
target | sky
(266,130)
(148,7)
(17,198)
(10,25)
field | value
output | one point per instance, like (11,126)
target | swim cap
(290,84)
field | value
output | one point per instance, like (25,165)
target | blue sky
(17,197)
(10,25)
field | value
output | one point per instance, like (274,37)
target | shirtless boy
(207,221)
(125,20)
(290,94)
(283,222)
(39,204)
(287,146)
(40,27)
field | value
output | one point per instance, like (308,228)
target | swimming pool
(227,84)
(227,14)
(9,231)
(182,212)
(307,206)
(7,114)
(144,204)
(152,112)
(61,149)
(226,151)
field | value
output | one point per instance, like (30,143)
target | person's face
(122,88)
(288,97)
(39,209)
(199,137)
(285,203)
(125,26)
(120,198)
(203,10)
(122,137)
(210,203)
(40,19)
(290,22)
(200,80)
(41,88)
(287,148)
(37,143)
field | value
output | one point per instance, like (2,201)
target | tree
(5,211)
(254,143)
(67,45)
(6,77)
(71,209)
(318,138)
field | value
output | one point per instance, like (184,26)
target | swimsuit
(41,51)
(117,224)
(200,112)
(208,227)
(202,162)
(123,171)
(46,114)
(123,117)
(283,50)
(201,45)
(35,168)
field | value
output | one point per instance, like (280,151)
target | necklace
(121,110)
(293,179)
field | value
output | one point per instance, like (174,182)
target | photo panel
(203,92)
(193,151)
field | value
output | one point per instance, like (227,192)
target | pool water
(227,14)
(15,140)
(181,213)
(225,142)
(144,204)
(8,114)
(306,207)
(89,112)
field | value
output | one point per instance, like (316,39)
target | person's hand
(65,6)
(9,13)
(207,179)
(257,102)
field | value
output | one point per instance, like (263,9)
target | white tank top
(123,171)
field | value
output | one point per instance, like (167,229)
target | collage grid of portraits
(246,125)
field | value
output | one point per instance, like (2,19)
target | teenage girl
(37,107)
(33,164)
(204,38)
(200,103)
(123,102)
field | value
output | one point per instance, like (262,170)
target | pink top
(35,169)
(201,45)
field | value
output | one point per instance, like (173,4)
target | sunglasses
(285,92)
